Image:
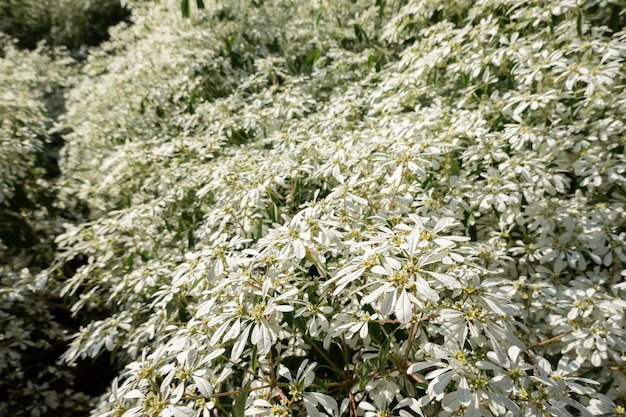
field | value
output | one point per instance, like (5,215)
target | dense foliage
(401,207)
(30,336)
(75,24)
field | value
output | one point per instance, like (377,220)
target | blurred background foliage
(74,24)
(40,41)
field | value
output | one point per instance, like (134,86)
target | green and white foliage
(22,136)
(353,208)
(29,84)
(31,382)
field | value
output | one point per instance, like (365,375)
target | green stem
(313,344)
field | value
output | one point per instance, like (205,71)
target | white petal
(205,388)
(404,308)
(464,394)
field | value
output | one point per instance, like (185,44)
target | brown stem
(552,339)
(273,381)
(395,192)
(240,367)
(353,410)
(227,393)
(417,378)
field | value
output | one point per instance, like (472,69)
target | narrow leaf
(404,308)
(240,344)
(463,393)
(240,402)
(184,8)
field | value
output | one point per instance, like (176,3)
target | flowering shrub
(31,339)
(334,208)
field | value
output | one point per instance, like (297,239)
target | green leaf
(200,4)
(112,356)
(579,23)
(365,373)
(384,351)
(191,239)
(375,331)
(381,7)
(288,318)
(313,56)
(184,8)
(240,401)
(607,386)
(360,33)
(318,382)
(254,359)
(168,226)
(129,262)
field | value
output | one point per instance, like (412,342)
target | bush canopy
(343,208)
